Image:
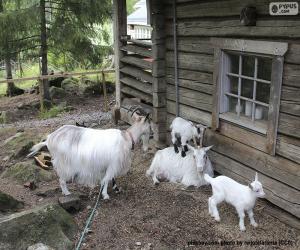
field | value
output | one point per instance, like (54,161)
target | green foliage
(130,6)
(52,112)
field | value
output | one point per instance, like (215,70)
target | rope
(89,220)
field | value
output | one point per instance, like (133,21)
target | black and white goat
(91,156)
(240,196)
(183,132)
(169,166)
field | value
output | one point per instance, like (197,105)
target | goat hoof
(183,154)
(243,229)
(217,219)
(254,224)
(105,197)
(66,193)
(118,190)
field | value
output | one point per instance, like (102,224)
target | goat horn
(136,109)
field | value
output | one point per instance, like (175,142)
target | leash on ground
(89,220)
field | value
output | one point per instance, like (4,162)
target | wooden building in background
(230,65)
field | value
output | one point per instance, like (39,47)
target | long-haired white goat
(90,156)
(169,166)
(183,131)
(240,196)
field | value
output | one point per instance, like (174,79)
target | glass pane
(234,63)
(248,66)
(232,104)
(264,68)
(233,85)
(262,92)
(247,88)
(261,113)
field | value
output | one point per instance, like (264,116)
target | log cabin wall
(197,23)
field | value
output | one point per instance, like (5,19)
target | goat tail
(207,178)
(36,148)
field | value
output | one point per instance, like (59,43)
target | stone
(70,85)
(40,246)
(138,243)
(57,93)
(56,82)
(27,171)
(49,192)
(49,224)
(9,203)
(70,203)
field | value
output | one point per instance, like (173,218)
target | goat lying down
(169,166)
(90,156)
(242,197)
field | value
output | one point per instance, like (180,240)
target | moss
(8,202)
(52,112)
(27,171)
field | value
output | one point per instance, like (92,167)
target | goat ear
(256,177)
(250,186)
(208,148)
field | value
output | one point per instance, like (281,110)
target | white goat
(240,196)
(90,156)
(169,166)
(183,131)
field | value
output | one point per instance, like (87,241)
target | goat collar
(132,141)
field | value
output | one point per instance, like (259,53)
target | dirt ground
(144,216)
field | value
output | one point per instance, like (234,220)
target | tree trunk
(10,85)
(44,48)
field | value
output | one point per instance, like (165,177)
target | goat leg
(176,148)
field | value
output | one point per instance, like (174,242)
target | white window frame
(273,50)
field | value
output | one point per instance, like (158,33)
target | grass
(52,112)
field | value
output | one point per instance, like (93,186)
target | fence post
(104,92)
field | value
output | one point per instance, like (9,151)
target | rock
(8,203)
(14,91)
(40,246)
(3,117)
(70,203)
(27,171)
(49,224)
(70,85)
(110,87)
(56,93)
(24,150)
(31,185)
(49,192)
(56,82)
(18,134)
(138,243)
(91,88)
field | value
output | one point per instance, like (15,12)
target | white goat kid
(183,131)
(169,166)
(90,156)
(240,196)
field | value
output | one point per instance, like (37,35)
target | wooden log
(158,68)
(190,97)
(143,43)
(290,94)
(159,115)
(187,74)
(293,53)
(218,8)
(159,85)
(275,167)
(143,51)
(277,192)
(288,147)
(291,75)
(159,99)
(200,45)
(289,125)
(138,62)
(265,28)
(137,73)
(191,61)
(244,136)
(136,93)
(139,85)
(191,84)
(190,113)
(290,107)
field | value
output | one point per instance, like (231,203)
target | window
(247,77)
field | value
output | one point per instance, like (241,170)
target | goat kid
(183,132)
(89,156)
(240,196)
(169,166)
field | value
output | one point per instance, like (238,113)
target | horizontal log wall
(240,153)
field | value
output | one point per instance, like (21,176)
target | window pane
(232,104)
(261,113)
(264,68)
(247,88)
(233,85)
(263,92)
(248,66)
(234,63)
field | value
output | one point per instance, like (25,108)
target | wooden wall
(198,21)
